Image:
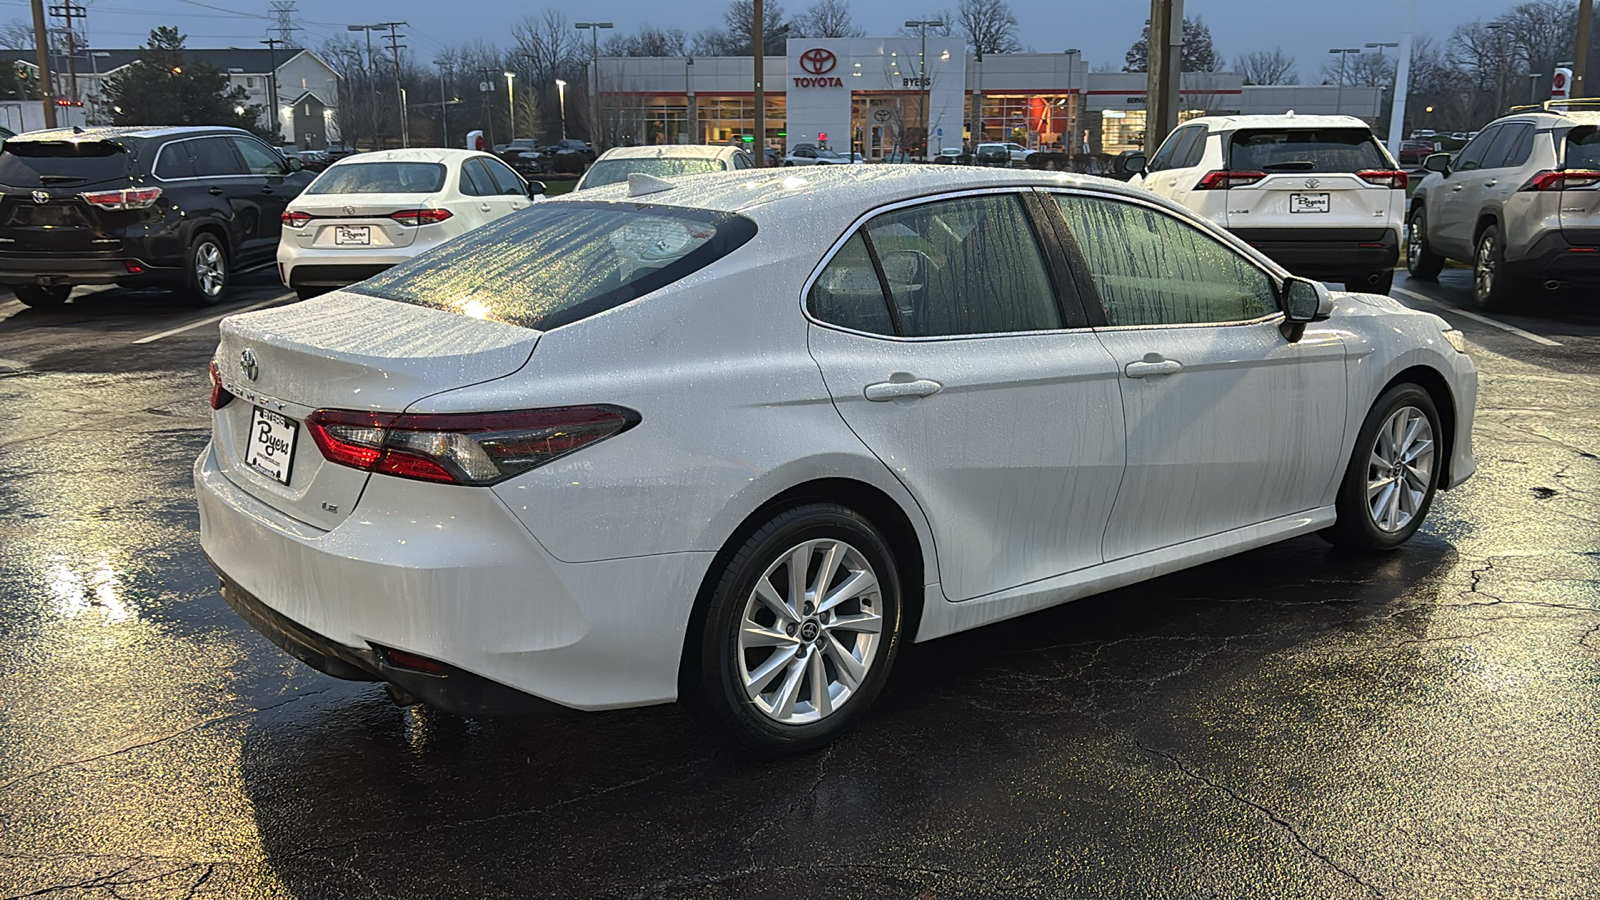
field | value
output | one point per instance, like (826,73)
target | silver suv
(1520,202)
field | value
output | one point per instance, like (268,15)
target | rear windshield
(39,163)
(1583,148)
(1306,150)
(556,263)
(380,178)
(613,171)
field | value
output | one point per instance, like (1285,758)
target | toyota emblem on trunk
(41,196)
(247,362)
(1312,182)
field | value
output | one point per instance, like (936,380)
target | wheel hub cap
(1400,469)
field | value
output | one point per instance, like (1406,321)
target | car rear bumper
(449,574)
(16,269)
(1332,253)
(1571,256)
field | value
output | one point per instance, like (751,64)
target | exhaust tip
(1552,285)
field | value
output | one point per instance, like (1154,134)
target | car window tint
(848,292)
(174,162)
(1164,153)
(475,180)
(557,263)
(1522,149)
(741,161)
(379,178)
(964,266)
(1583,148)
(258,160)
(214,156)
(505,180)
(1152,269)
(1194,152)
(1498,155)
(617,169)
(1471,156)
(1305,150)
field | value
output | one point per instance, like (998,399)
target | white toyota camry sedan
(730,439)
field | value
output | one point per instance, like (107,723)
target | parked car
(992,154)
(899,157)
(1412,153)
(368,213)
(1318,194)
(665,160)
(182,208)
(953,156)
(312,160)
(1520,203)
(336,152)
(572,145)
(594,455)
(808,155)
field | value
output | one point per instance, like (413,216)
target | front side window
(1152,269)
(257,158)
(965,266)
(505,181)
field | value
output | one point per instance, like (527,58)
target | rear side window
(1472,155)
(379,178)
(1583,148)
(213,156)
(39,163)
(1305,150)
(1522,149)
(174,162)
(1498,155)
(1175,151)
(848,292)
(475,180)
(557,263)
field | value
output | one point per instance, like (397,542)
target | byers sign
(818,64)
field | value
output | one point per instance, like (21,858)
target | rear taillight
(1221,180)
(462,448)
(1562,180)
(295,219)
(1389,178)
(420,216)
(128,198)
(219,394)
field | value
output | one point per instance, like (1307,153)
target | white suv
(1318,194)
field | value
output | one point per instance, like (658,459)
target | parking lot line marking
(1536,338)
(182,328)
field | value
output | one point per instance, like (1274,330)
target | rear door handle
(889,390)
(266,190)
(215,191)
(1491,182)
(1153,367)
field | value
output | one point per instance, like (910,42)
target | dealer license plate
(361,235)
(1309,203)
(271,444)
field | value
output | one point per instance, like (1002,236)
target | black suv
(170,207)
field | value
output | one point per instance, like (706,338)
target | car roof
(843,193)
(669,151)
(413,154)
(1284,120)
(119,132)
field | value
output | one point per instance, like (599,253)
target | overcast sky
(1102,30)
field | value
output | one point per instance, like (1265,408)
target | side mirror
(536,189)
(1303,301)
(295,164)
(1133,164)
(1437,162)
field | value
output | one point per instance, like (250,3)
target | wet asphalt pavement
(1292,722)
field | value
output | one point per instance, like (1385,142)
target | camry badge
(247,362)
(41,196)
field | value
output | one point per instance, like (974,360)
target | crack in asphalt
(204,723)
(675,885)
(1584,640)
(110,881)
(1271,816)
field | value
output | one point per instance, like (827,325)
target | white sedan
(369,212)
(662,161)
(733,440)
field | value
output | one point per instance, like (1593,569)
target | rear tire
(1388,486)
(782,670)
(1376,283)
(1492,289)
(41,296)
(207,271)
(1421,261)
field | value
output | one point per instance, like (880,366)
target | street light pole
(688,102)
(444,104)
(594,77)
(511,102)
(922,74)
(561,92)
(1338,106)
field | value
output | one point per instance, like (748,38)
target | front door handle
(889,390)
(484,207)
(1153,367)
(215,192)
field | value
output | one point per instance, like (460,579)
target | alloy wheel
(1413,244)
(1400,469)
(1483,269)
(209,268)
(810,631)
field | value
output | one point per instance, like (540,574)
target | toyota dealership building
(875,96)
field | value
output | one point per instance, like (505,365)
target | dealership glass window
(724,120)
(1036,121)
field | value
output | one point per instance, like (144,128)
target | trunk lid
(41,205)
(342,351)
(1580,206)
(354,212)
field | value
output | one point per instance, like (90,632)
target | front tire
(801,630)
(208,272)
(41,296)
(1393,474)
(1421,261)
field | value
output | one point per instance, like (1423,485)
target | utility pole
(977,103)
(272,85)
(1344,52)
(372,72)
(444,103)
(486,87)
(1580,52)
(67,12)
(922,76)
(395,47)
(41,52)
(758,43)
(1165,70)
(594,77)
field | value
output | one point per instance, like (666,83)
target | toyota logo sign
(818,61)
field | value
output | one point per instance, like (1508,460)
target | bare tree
(1267,67)
(827,19)
(1486,56)
(16,35)
(1361,70)
(1541,33)
(547,46)
(989,25)
(738,38)
(648,41)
